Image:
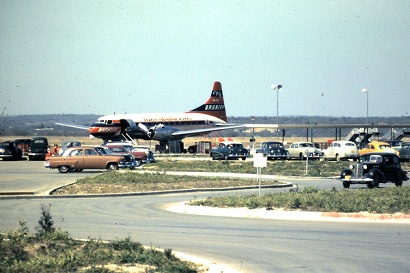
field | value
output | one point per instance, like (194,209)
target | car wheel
(376,181)
(112,167)
(337,157)
(213,156)
(139,162)
(346,185)
(399,181)
(301,156)
(226,157)
(63,169)
(243,158)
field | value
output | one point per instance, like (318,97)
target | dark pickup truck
(38,148)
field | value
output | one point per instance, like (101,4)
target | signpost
(259,161)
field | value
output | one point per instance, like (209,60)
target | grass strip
(380,200)
(116,182)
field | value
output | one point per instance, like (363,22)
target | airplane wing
(82,127)
(201,131)
(315,125)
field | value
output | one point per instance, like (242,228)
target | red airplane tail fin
(215,105)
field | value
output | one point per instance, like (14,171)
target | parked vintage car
(341,150)
(145,149)
(373,169)
(398,145)
(69,143)
(301,150)
(23,144)
(229,150)
(378,146)
(10,151)
(273,150)
(123,147)
(38,148)
(405,152)
(89,157)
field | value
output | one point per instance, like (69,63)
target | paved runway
(246,244)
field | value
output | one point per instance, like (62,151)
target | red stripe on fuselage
(104,130)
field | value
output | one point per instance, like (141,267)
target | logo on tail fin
(215,105)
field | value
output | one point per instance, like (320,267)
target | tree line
(45,125)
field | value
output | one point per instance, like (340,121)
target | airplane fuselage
(137,125)
(165,127)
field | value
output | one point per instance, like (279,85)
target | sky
(101,57)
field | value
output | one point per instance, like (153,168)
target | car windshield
(371,158)
(128,148)
(306,145)
(276,145)
(385,146)
(103,150)
(237,145)
(118,149)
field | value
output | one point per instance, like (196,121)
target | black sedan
(273,150)
(229,150)
(10,151)
(375,168)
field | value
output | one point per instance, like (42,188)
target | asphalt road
(247,245)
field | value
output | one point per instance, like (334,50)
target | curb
(284,185)
(295,215)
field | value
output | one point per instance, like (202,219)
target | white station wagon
(301,150)
(341,150)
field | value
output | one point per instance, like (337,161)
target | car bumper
(357,180)
(37,154)
(238,155)
(124,165)
(314,156)
(350,156)
(148,160)
(277,156)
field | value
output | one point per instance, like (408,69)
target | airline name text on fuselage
(109,129)
(214,107)
(167,119)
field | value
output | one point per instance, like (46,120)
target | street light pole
(364,90)
(277,87)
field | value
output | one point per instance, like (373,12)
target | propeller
(143,127)
(151,131)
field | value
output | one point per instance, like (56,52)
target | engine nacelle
(164,134)
(140,131)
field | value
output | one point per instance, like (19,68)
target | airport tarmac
(21,179)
